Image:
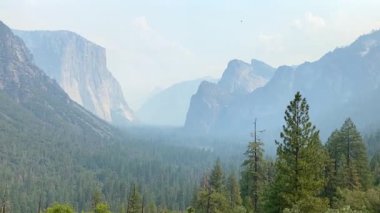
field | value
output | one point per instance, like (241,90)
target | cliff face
(37,101)
(80,68)
(213,100)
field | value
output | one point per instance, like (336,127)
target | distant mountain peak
(367,42)
(236,63)
(241,77)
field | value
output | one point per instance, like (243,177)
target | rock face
(343,83)
(79,66)
(212,100)
(242,78)
(38,102)
(169,107)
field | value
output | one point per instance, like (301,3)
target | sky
(152,44)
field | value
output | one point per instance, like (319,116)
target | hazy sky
(153,44)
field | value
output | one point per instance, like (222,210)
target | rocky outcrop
(212,100)
(80,68)
(38,97)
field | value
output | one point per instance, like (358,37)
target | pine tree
(375,168)
(300,163)
(96,198)
(152,208)
(134,201)
(349,167)
(234,196)
(356,170)
(253,174)
(334,167)
(211,196)
(217,178)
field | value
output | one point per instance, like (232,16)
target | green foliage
(233,191)
(215,197)
(102,208)
(375,168)
(363,201)
(346,209)
(300,163)
(308,204)
(334,167)
(254,175)
(217,178)
(60,167)
(211,201)
(348,167)
(134,201)
(357,174)
(96,198)
(190,210)
(60,208)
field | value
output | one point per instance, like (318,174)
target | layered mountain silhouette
(343,83)
(169,106)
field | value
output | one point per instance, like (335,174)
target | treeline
(306,176)
(40,168)
(36,176)
(46,173)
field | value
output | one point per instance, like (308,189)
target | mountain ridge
(340,78)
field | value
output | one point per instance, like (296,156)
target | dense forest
(160,172)
(43,164)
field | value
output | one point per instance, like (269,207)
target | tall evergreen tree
(349,167)
(300,163)
(234,191)
(211,196)
(233,188)
(375,168)
(334,167)
(253,174)
(134,201)
(217,178)
(357,174)
(96,198)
